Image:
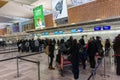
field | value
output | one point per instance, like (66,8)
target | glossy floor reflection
(28,70)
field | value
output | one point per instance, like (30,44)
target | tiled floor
(28,70)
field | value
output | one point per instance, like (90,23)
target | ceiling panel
(14,9)
(46,4)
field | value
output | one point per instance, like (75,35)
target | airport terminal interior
(59,39)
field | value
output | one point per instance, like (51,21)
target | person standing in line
(19,45)
(116,48)
(84,57)
(75,59)
(91,51)
(54,41)
(107,46)
(69,41)
(58,42)
(27,46)
(99,46)
(37,45)
(82,41)
(32,45)
(51,54)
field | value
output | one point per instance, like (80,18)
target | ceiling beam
(3,2)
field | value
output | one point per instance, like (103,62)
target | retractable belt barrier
(36,62)
(19,56)
(22,58)
(99,63)
(116,55)
(8,49)
(94,71)
(8,52)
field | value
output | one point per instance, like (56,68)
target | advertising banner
(59,8)
(39,17)
(15,27)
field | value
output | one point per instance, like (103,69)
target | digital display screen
(106,27)
(73,31)
(80,30)
(45,33)
(61,32)
(97,28)
(56,32)
(35,34)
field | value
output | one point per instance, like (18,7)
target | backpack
(84,55)
(47,50)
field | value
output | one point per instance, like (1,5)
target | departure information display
(97,28)
(61,32)
(106,27)
(80,30)
(58,32)
(73,31)
(45,33)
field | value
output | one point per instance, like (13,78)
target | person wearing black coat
(92,50)
(116,47)
(75,58)
(51,54)
(107,46)
(82,41)
(99,46)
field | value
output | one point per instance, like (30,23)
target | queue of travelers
(81,52)
(31,45)
(78,50)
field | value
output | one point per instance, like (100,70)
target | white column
(20,27)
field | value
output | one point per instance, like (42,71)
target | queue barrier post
(38,70)
(17,66)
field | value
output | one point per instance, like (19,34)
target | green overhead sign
(39,17)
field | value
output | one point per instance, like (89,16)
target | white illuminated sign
(79,2)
